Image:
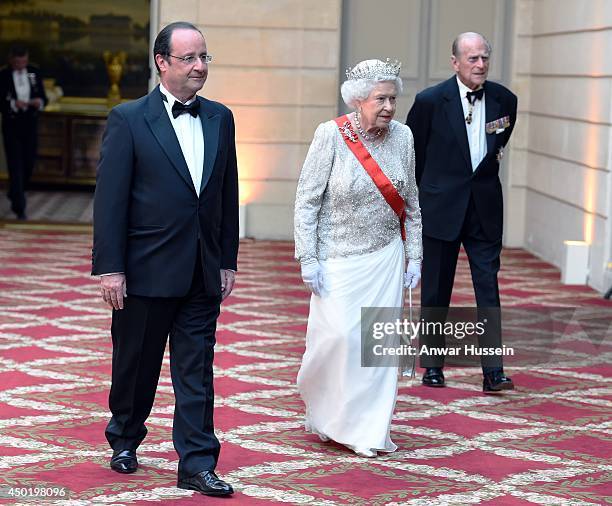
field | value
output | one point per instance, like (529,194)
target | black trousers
(139,333)
(20,136)
(438,276)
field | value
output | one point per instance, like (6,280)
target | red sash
(389,192)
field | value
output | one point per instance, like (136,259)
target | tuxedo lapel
(492,108)
(32,78)
(164,133)
(454,113)
(11,84)
(210,128)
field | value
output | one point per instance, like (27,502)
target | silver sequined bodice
(339,211)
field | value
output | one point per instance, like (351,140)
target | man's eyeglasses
(190,60)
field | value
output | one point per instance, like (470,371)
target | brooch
(347,131)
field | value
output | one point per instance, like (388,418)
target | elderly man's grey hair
(467,35)
(354,90)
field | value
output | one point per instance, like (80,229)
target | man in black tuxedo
(166,246)
(22,97)
(460,129)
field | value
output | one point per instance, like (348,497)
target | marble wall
(276,66)
(561,182)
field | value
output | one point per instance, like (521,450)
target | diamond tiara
(374,69)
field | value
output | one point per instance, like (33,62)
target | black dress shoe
(207,483)
(124,461)
(495,382)
(433,377)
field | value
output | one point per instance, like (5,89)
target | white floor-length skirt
(350,404)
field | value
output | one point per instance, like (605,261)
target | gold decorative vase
(114,68)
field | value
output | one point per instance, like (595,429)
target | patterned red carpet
(548,442)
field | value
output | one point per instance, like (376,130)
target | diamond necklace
(361,131)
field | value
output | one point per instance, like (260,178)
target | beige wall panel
(573,54)
(268,192)
(270,86)
(520,134)
(450,18)
(571,15)
(266,221)
(575,184)
(571,140)
(521,59)
(406,100)
(403,107)
(550,222)
(279,124)
(384,29)
(411,88)
(261,47)
(515,192)
(545,234)
(551,75)
(316,14)
(523,17)
(276,65)
(517,167)
(521,87)
(271,161)
(599,274)
(581,98)
(178,10)
(514,218)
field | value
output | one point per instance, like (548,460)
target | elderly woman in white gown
(349,245)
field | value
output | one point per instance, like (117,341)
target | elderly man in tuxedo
(165,246)
(460,128)
(22,97)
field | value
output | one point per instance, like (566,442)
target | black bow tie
(178,108)
(472,96)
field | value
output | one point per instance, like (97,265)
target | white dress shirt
(476,130)
(190,136)
(22,87)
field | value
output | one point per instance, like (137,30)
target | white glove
(413,274)
(312,276)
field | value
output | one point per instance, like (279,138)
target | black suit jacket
(7,91)
(443,166)
(147,216)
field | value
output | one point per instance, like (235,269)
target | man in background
(22,97)
(460,129)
